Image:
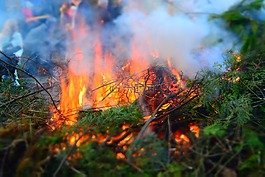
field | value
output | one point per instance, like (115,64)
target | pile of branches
(140,138)
(25,109)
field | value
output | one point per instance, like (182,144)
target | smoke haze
(175,29)
(179,30)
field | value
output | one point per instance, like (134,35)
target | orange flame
(106,87)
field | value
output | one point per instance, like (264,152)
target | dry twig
(25,72)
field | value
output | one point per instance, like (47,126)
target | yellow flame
(81,94)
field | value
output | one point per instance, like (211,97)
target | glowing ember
(195,129)
(120,155)
(180,137)
(237,57)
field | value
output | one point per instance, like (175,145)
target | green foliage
(174,169)
(130,114)
(254,159)
(253,139)
(230,112)
(53,139)
(236,109)
(248,29)
(97,159)
(233,94)
(215,129)
(151,154)
(212,83)
(111,120)
(7,93)
(21,104)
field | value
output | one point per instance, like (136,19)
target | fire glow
(111,84)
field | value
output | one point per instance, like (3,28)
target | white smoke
(175,29)
(204,6)
(179,30)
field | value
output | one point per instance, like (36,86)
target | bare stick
(23,96)
(69,152)
(131,164)
(53,102)
(148,122)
